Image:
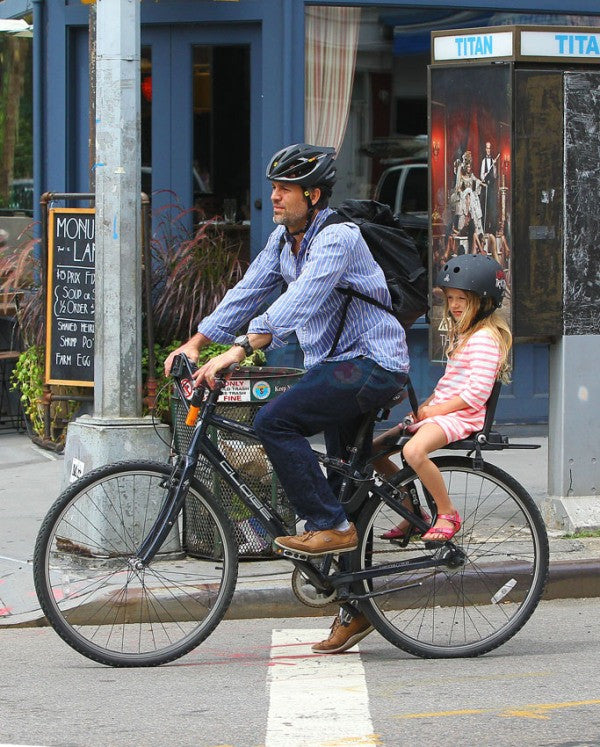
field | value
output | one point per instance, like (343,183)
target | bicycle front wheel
(478,590)
(90,588)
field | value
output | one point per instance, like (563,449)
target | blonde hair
(460,330)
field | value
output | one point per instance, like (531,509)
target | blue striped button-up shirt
(310,306)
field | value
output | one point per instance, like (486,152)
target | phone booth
(514,117)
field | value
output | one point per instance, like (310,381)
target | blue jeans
(330,398)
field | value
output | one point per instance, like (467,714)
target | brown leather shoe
(319,543)
(344,635)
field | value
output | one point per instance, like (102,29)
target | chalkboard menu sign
(70,296)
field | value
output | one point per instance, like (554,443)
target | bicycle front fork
(178,484)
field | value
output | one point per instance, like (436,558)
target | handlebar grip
(195,403)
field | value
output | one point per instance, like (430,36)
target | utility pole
(574,424)
(92,99)
(116,430)
(117,372)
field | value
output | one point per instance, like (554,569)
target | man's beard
(287,217)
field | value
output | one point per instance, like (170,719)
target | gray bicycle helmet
(307,165)
(477,273)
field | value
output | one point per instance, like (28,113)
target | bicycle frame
(201,445)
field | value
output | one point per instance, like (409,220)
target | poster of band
(470,157)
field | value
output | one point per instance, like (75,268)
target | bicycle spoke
(94,594)
(492,576)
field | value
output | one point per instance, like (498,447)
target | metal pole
(116,430)
(39,178)
(574,422)
(117,370)
(573,434)
(92,115)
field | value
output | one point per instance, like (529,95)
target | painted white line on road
(14,560)
(315,700)
(51,456)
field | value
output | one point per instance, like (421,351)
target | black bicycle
(115,578)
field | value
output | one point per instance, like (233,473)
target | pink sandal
(446,532)
(399,533)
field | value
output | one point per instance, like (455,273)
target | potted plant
(22,294)
(192,269)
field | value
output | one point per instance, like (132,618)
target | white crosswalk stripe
(315,700)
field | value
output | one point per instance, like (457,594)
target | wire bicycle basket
(245,393)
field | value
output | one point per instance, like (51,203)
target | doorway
(221,121)
(199,102)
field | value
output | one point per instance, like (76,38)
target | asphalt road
(254,682)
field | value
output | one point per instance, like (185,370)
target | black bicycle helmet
(307,165)
(477,273)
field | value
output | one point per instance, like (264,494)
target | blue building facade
(226,83)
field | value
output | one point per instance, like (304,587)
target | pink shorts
(456,425)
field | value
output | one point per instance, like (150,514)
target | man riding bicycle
(360,372)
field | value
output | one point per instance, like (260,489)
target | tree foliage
(16,108)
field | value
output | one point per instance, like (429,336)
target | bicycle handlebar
(182,371)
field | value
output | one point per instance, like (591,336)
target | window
(414,195)
(221,161)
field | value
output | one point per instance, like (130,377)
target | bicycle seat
(490,441)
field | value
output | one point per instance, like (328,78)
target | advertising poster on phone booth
(470,141)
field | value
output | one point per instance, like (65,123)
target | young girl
(479,341)
(478,346)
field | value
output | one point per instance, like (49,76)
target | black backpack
(394,251)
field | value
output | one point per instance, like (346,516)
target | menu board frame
(68,290)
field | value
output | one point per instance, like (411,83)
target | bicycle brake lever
(229,370)
(221,376)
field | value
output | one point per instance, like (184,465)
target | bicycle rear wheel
(92,593)
(480,594)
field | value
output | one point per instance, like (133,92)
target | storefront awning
(412,30)
(17,27)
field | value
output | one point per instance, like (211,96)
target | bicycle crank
(306,593)
(450,553)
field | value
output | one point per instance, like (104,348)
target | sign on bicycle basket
(257,386)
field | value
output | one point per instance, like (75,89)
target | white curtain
(331,41)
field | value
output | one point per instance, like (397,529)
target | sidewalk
(30,479)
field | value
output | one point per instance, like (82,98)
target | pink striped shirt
(470,374)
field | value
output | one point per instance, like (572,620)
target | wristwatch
(243,342)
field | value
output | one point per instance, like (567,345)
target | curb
(568,579)
(573,579)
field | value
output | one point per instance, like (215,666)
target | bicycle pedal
(404,541)
(292,554)
(431,545)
